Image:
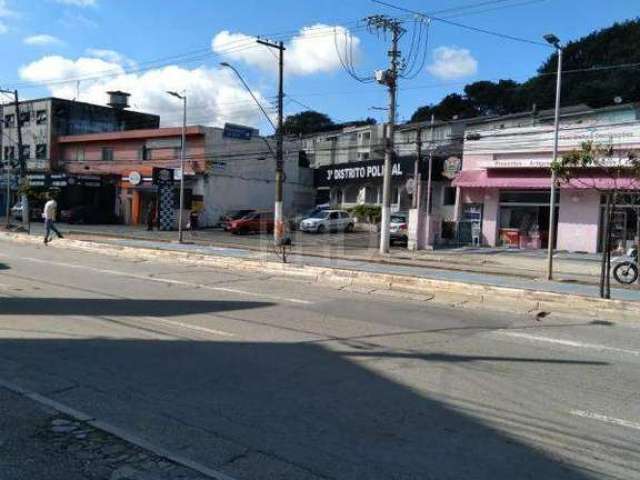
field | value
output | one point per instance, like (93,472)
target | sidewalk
(362,247)
(36,442)
(469,266)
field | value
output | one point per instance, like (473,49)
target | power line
(461,25)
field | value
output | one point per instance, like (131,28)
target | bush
(370,213)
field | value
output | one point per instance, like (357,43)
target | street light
(554,41)
(183,148)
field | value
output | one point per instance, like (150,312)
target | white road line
(187,326)
(566,343)
(605,418)
(167,280)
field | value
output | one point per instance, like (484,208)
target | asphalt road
(264,378)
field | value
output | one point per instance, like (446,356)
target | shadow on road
(321,413)
(119,307)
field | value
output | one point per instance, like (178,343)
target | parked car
(294,223)
(398,232)
(231,215)
(328,221)
(34,211)
(85,214)
(256,222)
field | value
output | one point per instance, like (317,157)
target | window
(363,156)
(9,153)
(531,197)
(107,154)
(10,120)
(79,154)
(366,137)
(351,194)
(25,118)
(334,216)
(144,153)
(41,151)
(26,152)
(41,117)
(344,215)
(449,196)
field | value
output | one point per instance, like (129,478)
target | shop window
(41,117)
(41,151)
(449,196)
(26,152)
(107,154)
(371,195)
(10,120)
(351,194)
(525,197)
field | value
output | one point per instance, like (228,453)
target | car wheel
(322,229)
(349,228)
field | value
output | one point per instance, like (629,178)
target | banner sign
(355,172)
(163,178)
(231,130)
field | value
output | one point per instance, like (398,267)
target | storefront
(348,184)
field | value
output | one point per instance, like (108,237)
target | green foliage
(307,122)
(601,159)
(371,213)
(615,45)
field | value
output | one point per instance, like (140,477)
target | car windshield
(398,219)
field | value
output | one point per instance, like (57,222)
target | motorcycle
(626,267)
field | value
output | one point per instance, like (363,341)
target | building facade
(42,121)
(222,172)
(503,196)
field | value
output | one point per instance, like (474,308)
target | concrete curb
(450,293)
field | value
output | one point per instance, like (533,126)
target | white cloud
(312,50)
(111,56)
(5,12)
(214,96)
(79,3)
(42,40)
(452,62)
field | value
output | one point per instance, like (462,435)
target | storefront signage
(452,166)
(240,132)
(47,180)
(360,171)
(517,163)
(135,178)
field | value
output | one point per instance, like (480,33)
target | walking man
(49,215)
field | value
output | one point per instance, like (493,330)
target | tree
(307,122)
(601,168)
(584,81)
(452,106)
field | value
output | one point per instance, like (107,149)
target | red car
(256,222)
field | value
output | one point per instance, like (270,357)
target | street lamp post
(183,148)
(555,42)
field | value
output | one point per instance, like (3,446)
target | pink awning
(539,180)
(497,179)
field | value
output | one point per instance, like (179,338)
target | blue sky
(59,40)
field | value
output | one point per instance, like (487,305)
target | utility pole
(183,149)
(278,230)
(389,78)
(555,42)
(415,200)
(26,214)
(430,181)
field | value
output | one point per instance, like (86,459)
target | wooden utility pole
(278,230)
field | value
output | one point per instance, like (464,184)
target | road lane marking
(167,280)
(188,326)
(605,418)
(566,343)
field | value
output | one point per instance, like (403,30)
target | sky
(82,48)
